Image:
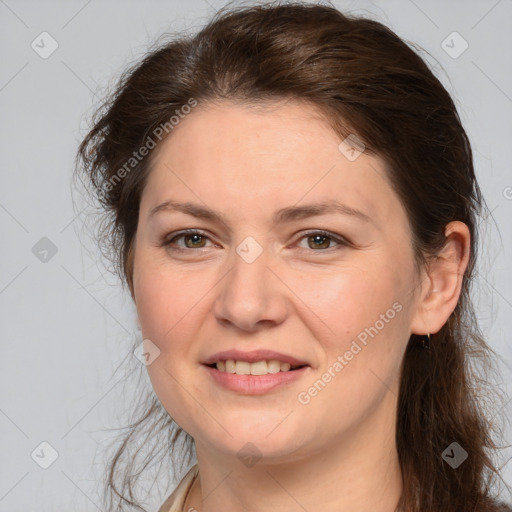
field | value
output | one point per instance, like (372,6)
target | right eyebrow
(288,214)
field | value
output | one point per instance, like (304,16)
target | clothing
(176,501)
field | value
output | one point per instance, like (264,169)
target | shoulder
(174,503)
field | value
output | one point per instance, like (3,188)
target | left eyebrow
(284,215)
(294,213)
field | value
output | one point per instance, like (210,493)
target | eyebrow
(288,214)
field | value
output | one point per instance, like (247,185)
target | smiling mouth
(256,369)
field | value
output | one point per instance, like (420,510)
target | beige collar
(176,501)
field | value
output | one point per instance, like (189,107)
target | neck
(359,472)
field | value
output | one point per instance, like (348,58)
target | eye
(197,239)
(194,239)
(322,240)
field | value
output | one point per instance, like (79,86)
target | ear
(443,281)
(129,269)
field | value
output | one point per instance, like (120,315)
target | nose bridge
(250,294)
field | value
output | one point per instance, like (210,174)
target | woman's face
(264,281)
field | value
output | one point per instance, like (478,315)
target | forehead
(255,157)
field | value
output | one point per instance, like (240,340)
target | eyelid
(168,239)
(340,240)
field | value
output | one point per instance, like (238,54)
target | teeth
(257,368)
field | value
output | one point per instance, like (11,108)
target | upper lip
(254,356)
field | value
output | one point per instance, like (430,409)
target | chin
(257,441)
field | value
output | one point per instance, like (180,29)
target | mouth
(255,373)
(256,368)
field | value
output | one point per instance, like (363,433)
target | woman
(293,206)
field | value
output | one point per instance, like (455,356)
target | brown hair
(368,82)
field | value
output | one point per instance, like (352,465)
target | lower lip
(255,384)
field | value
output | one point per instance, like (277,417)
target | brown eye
(192,240)
(320,241)
(195,240)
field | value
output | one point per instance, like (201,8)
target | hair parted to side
(368,82)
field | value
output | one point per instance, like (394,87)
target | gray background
(66,324)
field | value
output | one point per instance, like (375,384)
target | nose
(251,296)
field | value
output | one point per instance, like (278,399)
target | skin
(338,451)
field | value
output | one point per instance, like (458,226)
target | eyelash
(166,242)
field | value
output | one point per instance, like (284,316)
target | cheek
(363,330)
(163,299)
(166,309)
(153,304)
(345,301)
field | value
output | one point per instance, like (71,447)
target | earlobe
(443,284)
